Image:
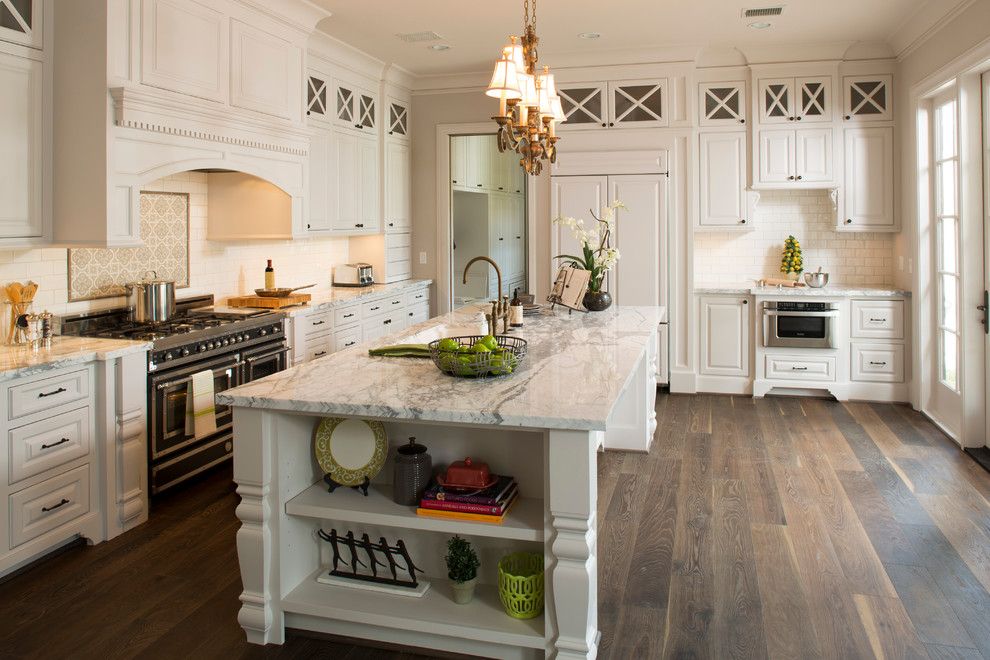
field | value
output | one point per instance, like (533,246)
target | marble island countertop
(17,361)
(576,369)
(832,290)
(323,300)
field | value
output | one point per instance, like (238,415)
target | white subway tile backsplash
(733,257)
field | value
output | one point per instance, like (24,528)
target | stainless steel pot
(152,300)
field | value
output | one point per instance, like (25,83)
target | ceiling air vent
(762,12)
(415,37)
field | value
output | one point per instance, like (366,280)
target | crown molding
(301,15)
(921,26)
(336,54)
(795,52)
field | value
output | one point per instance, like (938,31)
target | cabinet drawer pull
(419,296)
(319,354)
(396,302)
(347,316)
(42,395)
(46,509)
(799,368)
(375,309)
(879,364)
(878,320)
(56,444)
(318,322)
(350,343)
(410,313)
(386,321)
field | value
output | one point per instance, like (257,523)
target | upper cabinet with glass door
(355,107)
(397,119)
(615,104)
(867,98)
(722,103)
(21,22)
(783,100)
(317,96)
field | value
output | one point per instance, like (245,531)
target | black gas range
(238,347)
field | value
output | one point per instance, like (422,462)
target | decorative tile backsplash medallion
(102,272)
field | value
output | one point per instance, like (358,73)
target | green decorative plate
(350,449)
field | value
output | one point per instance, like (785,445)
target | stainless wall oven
(792,324)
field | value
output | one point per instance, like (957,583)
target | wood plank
(821,427)
(927,607)
(937,652)
(737,628)
(785,609)
(648,580)
(728,451)
(900,427)
(889,629)
(972,544)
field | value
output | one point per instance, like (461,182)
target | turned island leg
(253,461)
(573,496)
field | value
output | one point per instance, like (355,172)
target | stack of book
(488,505)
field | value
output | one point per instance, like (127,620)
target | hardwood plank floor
(755,528)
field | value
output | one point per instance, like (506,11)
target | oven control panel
(791,306)
(221,342)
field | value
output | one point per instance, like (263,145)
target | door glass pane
(15,15)
(949,302)
(946,192)
(948,247)
(638,103)
(722,103)
(945,137)
(949,369)
(344,110)
(367,111)
(813,99)
(868,97)
(582,105)
(775,100)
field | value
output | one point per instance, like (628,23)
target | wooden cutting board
(290,300)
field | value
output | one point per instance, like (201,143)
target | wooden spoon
(15,291)
(27,295)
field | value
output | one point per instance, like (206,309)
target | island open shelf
(483,619)
(524,521)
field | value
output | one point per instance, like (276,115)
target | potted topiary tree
(462,568)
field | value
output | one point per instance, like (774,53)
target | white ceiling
(476,30)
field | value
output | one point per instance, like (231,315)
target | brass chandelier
(529,106)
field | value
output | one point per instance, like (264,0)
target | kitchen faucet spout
(498,271)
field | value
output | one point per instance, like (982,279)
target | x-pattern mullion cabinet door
(344,106)
(21,22)
(316,96)
(776,100)
(397,125)
(366,109)
(584,105)
(722,103)
(867,98)
(638,103)
(814,99)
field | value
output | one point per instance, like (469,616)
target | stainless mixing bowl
(816,280)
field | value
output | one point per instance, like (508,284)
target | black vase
(597,301)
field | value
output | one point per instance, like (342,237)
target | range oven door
(800,329)
(168,393)
(264,361)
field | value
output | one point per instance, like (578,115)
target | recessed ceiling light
(590,35)
(440,47)
(760,25)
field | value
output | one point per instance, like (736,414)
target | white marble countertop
(323,300)
(576,369)
(17,361)
(830,291)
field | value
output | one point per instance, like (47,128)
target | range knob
(169,356)
(247,335)
(210,346)
(201,348)
(185,352)
(276,329)
(262,332)
(225,342)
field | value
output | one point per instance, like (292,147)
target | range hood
(243,206)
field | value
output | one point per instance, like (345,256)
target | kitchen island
(588,382)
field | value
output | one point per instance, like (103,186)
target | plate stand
(333,485)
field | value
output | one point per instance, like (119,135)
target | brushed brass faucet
(500,306)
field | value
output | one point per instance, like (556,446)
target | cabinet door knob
(604,125)
(611,123)
(790,119)
(743,221)
(742,121)
(391,224)
(745,302)
(849,221)
(790,178)
(799,177)
(847,117)
(798,118)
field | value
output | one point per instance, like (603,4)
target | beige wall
(967,30)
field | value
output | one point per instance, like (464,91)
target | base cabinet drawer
(28,398)
(877,319)
(380,326)
(346,338)
(315,324)
(792,367)
(345,316)
(878,363)
(422,296)
(48,505)
(416,313)
(313,348)
(45,445)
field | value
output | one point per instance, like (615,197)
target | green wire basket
(520,584)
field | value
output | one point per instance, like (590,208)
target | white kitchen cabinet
(356,193)
(355,107)
(821,368)
(397,175)
(317,96)
(722,180)
(458,163)
(867,98)
(725,325)
(639,277)
(265,72)
(876,363)
(25,170)
(23,22)
(722,103)
(572,196)
(320,206)
(868,181)
(784,100)
(397,119)
(615,104)
(795,158)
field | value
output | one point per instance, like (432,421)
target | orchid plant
(597,255)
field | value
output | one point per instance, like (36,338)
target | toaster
(358,274)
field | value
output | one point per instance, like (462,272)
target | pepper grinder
(411,474)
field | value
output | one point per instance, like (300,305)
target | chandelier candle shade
(528,105)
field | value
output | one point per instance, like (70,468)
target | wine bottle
(269,276)
(515,310)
